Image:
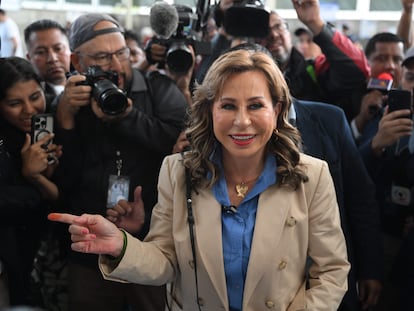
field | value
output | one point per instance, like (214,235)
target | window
(79,1)
(343,4)
(190,3)
(385,5)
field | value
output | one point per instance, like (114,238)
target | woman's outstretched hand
(92,233)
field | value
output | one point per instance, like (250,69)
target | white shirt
(8,31)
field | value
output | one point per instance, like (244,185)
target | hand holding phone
(398,100)
(42,124)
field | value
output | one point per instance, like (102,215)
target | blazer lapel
(207,214)
(272,211)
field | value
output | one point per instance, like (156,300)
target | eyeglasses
(105,59)
(279,28)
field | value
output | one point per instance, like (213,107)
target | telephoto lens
(110,98)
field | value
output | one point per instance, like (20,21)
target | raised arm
(404,29)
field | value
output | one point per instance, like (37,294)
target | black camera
(246,18)
(178,57)
(111,99)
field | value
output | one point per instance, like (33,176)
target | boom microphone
(163,19)
(381,83)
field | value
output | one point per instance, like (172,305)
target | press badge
(401,195)
(118,189)
(118,185)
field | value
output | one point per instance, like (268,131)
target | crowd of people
(268,175)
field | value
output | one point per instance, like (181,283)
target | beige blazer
(290,225)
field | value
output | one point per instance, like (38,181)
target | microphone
(230,209)
(381,83)
(163,19)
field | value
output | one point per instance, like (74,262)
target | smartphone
(399,99)
(42,125)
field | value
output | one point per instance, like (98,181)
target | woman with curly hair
(239,215)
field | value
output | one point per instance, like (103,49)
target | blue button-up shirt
(238,229)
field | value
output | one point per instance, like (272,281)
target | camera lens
(110,98)
(179,58)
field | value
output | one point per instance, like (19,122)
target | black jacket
(142,139)
(338,76)
(327,136)
(23,216)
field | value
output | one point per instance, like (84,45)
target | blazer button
(191,264)
(291,221)
(282,265)
(200,301)
(270,304)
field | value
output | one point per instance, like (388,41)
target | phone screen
(399,99)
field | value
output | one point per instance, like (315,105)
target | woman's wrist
(377,149)
(31,176)
(118,254)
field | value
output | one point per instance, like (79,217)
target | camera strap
(118,162)
(190,220)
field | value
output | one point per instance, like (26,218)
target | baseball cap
(82,31)
(409,56)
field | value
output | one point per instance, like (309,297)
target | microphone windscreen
(163,19)
(383,82)
(384,76)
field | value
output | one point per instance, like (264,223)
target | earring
(276,133)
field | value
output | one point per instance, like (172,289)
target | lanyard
(118,162)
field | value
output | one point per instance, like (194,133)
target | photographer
(183,80)
(116,126)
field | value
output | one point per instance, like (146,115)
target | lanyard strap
(190,220)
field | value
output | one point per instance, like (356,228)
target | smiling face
(23,100)
(244,116)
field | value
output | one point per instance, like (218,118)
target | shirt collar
(292,115)
(265,180)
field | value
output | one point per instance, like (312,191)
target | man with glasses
(332,77)
(48,50)
(104,148)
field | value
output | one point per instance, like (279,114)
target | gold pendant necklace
(242,189)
